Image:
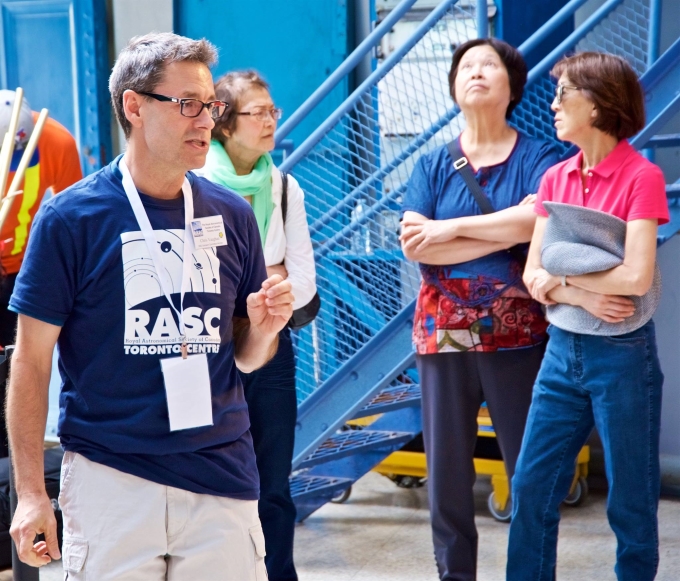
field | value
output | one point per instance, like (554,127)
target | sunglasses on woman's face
(559,91)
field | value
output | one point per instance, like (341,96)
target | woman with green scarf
(239,159)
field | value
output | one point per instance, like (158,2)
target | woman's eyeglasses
(559,91)
(192,107)
(263,114)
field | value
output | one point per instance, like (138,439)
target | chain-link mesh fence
(355,176)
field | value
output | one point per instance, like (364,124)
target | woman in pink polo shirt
(611,381)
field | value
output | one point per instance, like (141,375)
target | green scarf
(258,183)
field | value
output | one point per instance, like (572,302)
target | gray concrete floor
(382,533)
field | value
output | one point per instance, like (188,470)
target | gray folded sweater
(580,241)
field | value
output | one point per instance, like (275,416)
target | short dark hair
(230,88)
(512,61)
(140,66)
(612,85)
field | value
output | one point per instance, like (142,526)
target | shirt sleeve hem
(662,219)
(34,315)
(410,208)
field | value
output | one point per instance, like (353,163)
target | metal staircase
(356,359)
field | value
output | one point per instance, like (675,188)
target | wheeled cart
(407,468)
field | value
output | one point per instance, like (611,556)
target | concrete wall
(131,18)
(667,320)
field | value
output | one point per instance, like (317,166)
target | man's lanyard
(154,247)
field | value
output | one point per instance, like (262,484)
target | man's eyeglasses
(559,91)
(192,107)
(263,114)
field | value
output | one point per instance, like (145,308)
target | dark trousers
(8,329)
(8,319)
(272,405)
(454,385)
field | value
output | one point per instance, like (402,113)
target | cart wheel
(342,496)
(500,515)
(579,494)
(409,482)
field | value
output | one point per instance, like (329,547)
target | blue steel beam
(364,88)
(662,92)
(426,135)
(549,27)
(344,69)
(673,191)
(352,386)
(669,140)
(382,172)
(368,216)
(482,19)
(598,16)
(653,39)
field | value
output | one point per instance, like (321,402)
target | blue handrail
(421,139)
(550,26)
(372,79)
(344,69)
(381,172)
(598,16)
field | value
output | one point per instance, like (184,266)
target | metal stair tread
(309,486)
(354,441)
(392,398)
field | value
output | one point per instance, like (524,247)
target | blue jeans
(613,383)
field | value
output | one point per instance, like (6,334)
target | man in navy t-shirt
(152,283)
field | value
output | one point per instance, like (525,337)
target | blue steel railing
(368,84)
(355,167)
(348,65)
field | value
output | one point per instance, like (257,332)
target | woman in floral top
(479,335)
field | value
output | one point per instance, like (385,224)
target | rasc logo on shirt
(144,336)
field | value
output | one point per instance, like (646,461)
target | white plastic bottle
(361,234)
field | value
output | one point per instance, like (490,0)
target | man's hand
(541,283)
(609,308)
(34,516)
(270,308)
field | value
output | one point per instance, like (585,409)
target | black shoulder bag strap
(461,165)
(284,195)
(304,315)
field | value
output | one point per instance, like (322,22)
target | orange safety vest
(55,165)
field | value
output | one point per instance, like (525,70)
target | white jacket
(291,245)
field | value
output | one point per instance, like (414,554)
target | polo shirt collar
(609,164)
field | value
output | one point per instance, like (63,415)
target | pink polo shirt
(624,184)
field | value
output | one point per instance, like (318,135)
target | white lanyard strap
(153,246)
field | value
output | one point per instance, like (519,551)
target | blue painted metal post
(550,26)
(653,39)
(344,69)
(482,19)
(653,42)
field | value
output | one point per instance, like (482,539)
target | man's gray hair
(141,64)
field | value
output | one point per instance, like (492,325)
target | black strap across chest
(284,195)
(462,166)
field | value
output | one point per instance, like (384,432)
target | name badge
(187,389)
(208,232)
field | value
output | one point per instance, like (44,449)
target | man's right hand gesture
(34,516)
